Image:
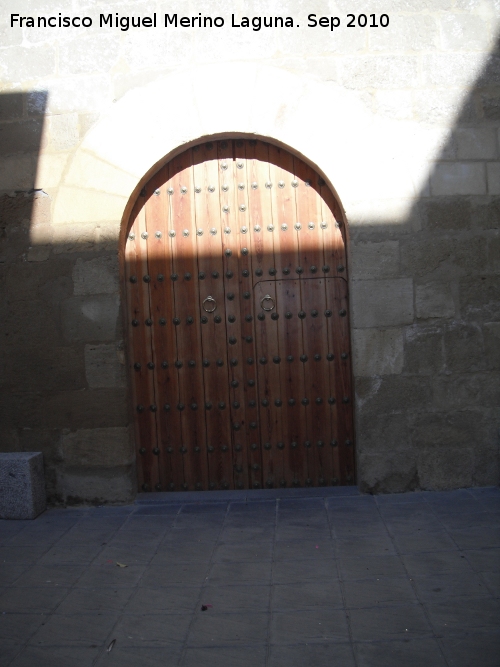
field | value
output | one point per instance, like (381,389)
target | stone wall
(402,122)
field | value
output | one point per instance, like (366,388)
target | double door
(238,325)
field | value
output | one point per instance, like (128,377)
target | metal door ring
(267,298)
(213,304)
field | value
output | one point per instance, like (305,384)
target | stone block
(440,257)
(86,94)
(97,448)
(486,213)
(86,55)
(45,368)
(104,365)
(22,485)
(81,205)
(382,303)
(480,298)
(491,336)
(486,465)
(97,487)
(458,178)
(396,104)
(424,350)
(467,390)
(464,32)
(377,351)
(437,430)
(382,433)
(90,318)
(476,143)
(83,409)
(50,167)
(74,237)
(493,177)
(374,260)
(447,213)
(393,394)
(464,350)
(24,136)
(96,276)
(434,300)
(391,472)
(21,64)
(445,468)
(17,172)
(63,131)
(451,70)
(441,106)
(11,104)
(490,104)
(407,33)
(87,171)
(378,71)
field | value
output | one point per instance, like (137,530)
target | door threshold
(246,496)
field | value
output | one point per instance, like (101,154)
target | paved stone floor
(338,578)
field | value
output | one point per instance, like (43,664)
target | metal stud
(183,190)
(276,359)
(239,165)
(211,188)
(251,383)
(275,316)
(325,268)
(197,189)
(289,358)
(190,320)
(258,272)
(199,232)
(307,444)
(305,401)
(221,405)
(160,277)
(224,166)
(257,228)
(133,279)
(187,276)
(314,313)
(320,443)
(144,235)
(242,207)
(158,235)
(298,226)
(171,233)
(241,186)
(230,296)
(328,313)
(204,319)
(217,319)
(244,229)
(142,450)
(135,323)
(330,356)
(265,402)
(342,312)
(140,408)
(299,270)
(286,271)
(219,363)
(263,360)
(236,405)
(180,406)
(254,185)
(166,407)
(278,403)
(340,268)
(291,401)
(270,228)
(323,225)
(208,405)
(147,279)
(294,445)
(303,358)
(345,399)
(131,236)
(233,362)
(150,365)
(319,401)
(244,251)
(307,183)
(310,225)
(227,230)
(268,184)
(248,339)
(317,357)
(344,356)
(295,184)
(213,231)
(225,187)
(215,274)
(149,322)
(228,252)
(164,364)
(280,445)
(231,319)
(246,295)
(284,227)
(232,340)
(281,184)
(348,443)
(178,364)
(137,366)
(313,269)
(250,361)
(331,400)
(333,443)
(170,191)
(223,144)
(302,314)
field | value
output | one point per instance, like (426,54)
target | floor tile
(55,656)
(9,572)
(174,573)
(483,560)
(472,650)
(209,628)
(472,614)
(335,654)
(385,623)
(50,575)
(436,562)
(378,591)
(145,629)
(111,575)
(436,587)
(424,541)
(357,546)
(36,600)
(225,656)
(18,627)
(167,600)
(77,630)
(312,625)
(287,597)
(236,598)
(142,656)
(251,551)
(304,549)
(476,538)
(83,600)
(414,653)
(296,571)
(359,567)
(258,572)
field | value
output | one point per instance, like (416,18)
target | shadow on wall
(426,325)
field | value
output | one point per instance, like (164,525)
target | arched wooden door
(235,271)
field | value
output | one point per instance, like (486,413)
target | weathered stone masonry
(404,125)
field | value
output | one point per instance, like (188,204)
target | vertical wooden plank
(294,417)
(212,313)
(164,344)
(140,350)
(185,265)
(266,327)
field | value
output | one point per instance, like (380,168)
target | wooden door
(238,325)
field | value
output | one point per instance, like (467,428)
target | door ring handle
(208,302)
(267,298)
